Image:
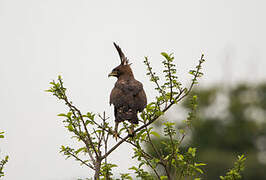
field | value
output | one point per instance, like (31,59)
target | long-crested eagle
(127,96)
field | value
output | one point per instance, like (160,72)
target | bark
(97,169)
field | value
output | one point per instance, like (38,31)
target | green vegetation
(231,121)
(160,150)
(3,161)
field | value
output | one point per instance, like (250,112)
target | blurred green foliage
(229,121)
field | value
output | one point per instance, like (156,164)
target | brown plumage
(128,96)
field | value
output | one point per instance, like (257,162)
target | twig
(84,125)
(170,79)
(82,138)
(83,162)
(152,76)
(156,173)
(195,78)
(152,145)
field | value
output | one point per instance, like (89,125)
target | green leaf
(133,168)
(192,151)
(181,131)
(200,164)
(62,114)
(155,134)
(163,177)
(69,114)
(88,122)
(199,170)
(166,157)
(80,149)
(70,128)
(143,136)
(140,133)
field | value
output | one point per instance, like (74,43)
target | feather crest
(123,58)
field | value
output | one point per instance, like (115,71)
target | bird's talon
(131,133)
(115,135)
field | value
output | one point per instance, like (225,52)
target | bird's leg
(131,130)
(116,128)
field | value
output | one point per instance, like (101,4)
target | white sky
(40,39)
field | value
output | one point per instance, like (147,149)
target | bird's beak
(112,74)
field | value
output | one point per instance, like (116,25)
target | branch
(84,125)
(152,145)
(152,168)
(83,162)
(170,79)
(153,78)
(83,140)
(196,75)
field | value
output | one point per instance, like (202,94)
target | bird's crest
(123,58)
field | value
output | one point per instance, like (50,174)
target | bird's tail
(127,114)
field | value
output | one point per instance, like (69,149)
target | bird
(127,96)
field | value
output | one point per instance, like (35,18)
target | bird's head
(123,70)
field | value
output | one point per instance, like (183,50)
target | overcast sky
(40,39)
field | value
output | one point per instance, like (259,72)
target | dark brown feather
(128,98)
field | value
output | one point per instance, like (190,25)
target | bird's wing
(141,100)
(139,96)
(129,93)
(121,94)
(116,96)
